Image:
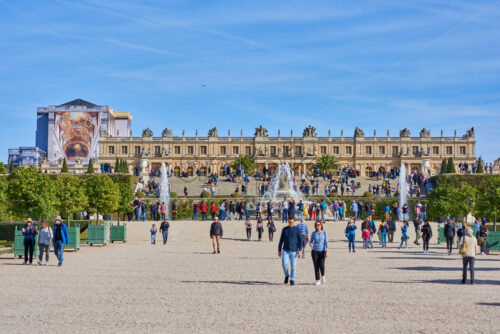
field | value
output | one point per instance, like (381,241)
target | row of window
(286,150)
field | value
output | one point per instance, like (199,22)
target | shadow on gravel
(245,240)
(447,258)
(444,281)
(241,282)
(427,268)
(488,304)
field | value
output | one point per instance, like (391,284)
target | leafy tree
(444,167)
(125,167)
(31,193)
(488,203)
(3,197)
(480,166)
(245,161)
(12,168)
(103,194)
(3,170)
(90,169)
(126,197)
(326,163)
(64,168)
(448,200)
(451,166)
(70,193)
(118,165)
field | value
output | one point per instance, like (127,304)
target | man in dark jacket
(61,237)
(416,223)
(29,233)
(165,225)
(216,234)
(449,234)
(289,248)
(392,228)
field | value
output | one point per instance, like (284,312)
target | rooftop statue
(261,132)
(213,132)
(358,132)
(167,133)
(310,131)
(469,133)
(424,133)
(147,132)
(404,133)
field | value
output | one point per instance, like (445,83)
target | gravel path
(140,288)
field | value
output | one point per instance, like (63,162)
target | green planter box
(19,243)
(74,237)
(493,241)
(97,234)
(441,235)
(118,233)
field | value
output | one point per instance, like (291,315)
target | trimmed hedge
(474,180)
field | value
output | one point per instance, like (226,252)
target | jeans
(383,236)
(370,241)
(468,261)
(285,215)
(249,233)
(449,244)
(318,258)
(165,237)
(390,235)
(304,244)
(301,215)
(29,246)
(221,215)
(137,213)
(59,250)
(43,248)
(203,216)
(271,235)
(259,233)
(351,238)
(366,243)
(152,215)
(404,238)
(195,215)
(289,257)
(153,239)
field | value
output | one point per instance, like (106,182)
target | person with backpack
(426,235)
(319,245)
(383,230)
(271,228)
(449,234)
(350,233)
(29,233)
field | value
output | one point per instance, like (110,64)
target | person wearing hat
(29,233)
(45,236)
(61,237)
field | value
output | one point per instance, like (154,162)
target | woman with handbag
(319,245)
(468,248)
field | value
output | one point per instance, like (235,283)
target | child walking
(153,234)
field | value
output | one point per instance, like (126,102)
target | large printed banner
(76,135)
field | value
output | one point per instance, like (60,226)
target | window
(111,150)
(449,150)
(368,149)
(336,150)
(298,150)
(323,149)
(190,150)
(381,150)
(395,150)
(286,150)
(137,150)
(248,150)
(348,150)
(203,150)
(177,149)
(414,150)
(223,150)
(463,150)
(157,150)
(435,149)
(236,150)
(124,149)
(273,151)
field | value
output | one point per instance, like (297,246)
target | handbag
(463,248)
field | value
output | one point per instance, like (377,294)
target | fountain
(403,190)
(165,188)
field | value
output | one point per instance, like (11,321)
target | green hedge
(474,180)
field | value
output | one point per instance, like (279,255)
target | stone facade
(213,152)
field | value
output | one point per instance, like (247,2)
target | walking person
(289,248)
(373,230)
(61,237)
(483,234)
(29,233)
(196,210)
(417,224)
(304,233)
(45,236)
(449,234)
(404,235)
(461,232)
(319,251)
(248,227)
(163,210)
(153,234)
(365,232)
(203,209)
(216,234)
(213,210)
(468,248)
(271,228)
(350,233)
(165,225)
(426,235)
(383,230)
(392,229)
(174,210)
(260,228)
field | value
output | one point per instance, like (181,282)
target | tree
(3,170)
(449,200)
(12,168)
(247,162)
(64,168)
(126,197)
(118,168)
(444,167)
(326,163)
(3,197)
(480,166)
(125,167)
(31,193)
(90,169)
(451,166)
(488,202)
(70,195)
(103,194)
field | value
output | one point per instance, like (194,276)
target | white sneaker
(39,263)
(482,253)
(317,283)
(323,279)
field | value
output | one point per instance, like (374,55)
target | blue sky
(382,65)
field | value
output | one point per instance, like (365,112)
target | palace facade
(211,153)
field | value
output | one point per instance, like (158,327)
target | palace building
(80,130)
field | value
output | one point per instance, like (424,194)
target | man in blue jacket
(61,237)
(289,248)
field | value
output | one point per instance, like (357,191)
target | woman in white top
(468,254)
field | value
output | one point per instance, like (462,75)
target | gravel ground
(140,288)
